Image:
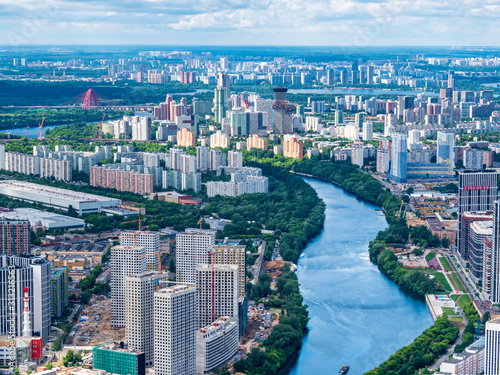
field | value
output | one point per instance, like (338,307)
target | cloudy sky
(251,22)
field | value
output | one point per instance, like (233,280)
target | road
(256,268)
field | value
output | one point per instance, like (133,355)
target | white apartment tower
(235,159)
(139,312)
(203,158)
(125,261)
(492,348)
(224,299)
(191,249)
(149,240)
(175,331)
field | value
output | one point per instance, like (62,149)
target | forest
(11,118)
(424,351)
(283,345)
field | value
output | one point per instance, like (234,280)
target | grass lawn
(455,297)
(462,301)
(441,279)
(448,311)
(445,263)
(430,257)
(458,283)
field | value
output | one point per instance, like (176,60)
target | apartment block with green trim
(59,291)
(116,358)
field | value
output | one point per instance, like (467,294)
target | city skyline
(355,23)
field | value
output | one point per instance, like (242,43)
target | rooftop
(36,189)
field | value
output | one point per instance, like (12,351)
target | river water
(358,316)
(360,91)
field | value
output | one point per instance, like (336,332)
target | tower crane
(99,132)
(134,234)
(200,223)
(40,126)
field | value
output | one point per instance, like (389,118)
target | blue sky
(251,22)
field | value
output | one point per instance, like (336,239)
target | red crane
(40,126)
(99,133)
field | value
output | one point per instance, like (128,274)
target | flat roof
(47,219)
(53,192)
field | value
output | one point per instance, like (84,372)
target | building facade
(125,261)
(175,330)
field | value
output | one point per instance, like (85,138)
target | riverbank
(441,334)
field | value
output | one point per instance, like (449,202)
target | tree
(72,212)
(171,265)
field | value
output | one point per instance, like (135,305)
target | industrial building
(42,219)
(55,197)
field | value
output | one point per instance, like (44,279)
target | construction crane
(134,234)
(40,126)
(99,132)
(200,223)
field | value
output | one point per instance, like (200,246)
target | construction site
(94,324)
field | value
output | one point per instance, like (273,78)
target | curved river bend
(358,316)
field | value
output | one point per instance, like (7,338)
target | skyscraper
(41,304)
(175,330)
(398,158)
(477,191)
(492,348)
(491,262)
(125,261)
(220,105)
(192,249)
(217,292)
(445,148)
(23,278)
(139,312)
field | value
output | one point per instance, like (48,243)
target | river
(359,92)
(358,316)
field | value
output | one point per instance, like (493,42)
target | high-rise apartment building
(235,159)
(445,148)
(491,263)
(14,237)
(399,161)
(186,138)
(192,248)
(23,278)
(125,261)
(59,298)
(147,239)
(219,139)
(232,255)
(217,293)
(293,148)
(492,348)
(41,306)
(139,312)
(203,158)
(175,330)
(477,192)
(216,344)
(256,141)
